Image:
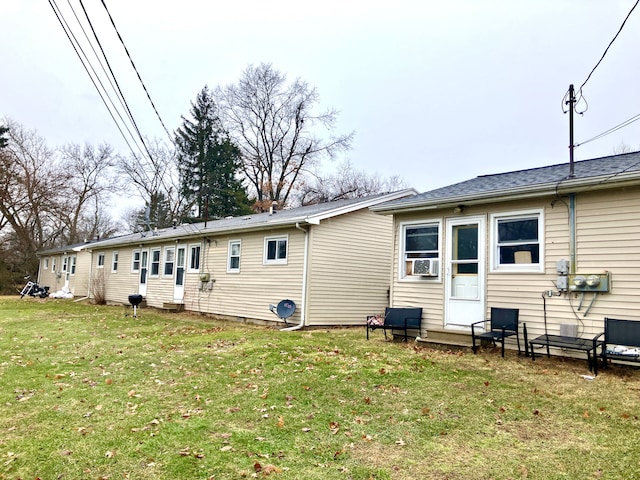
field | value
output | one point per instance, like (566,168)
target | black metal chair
(502,324)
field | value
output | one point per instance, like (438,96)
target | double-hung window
(114,262)
(169,261)
(194,258)
(155,262)
(101,260)
(518,241)
(233,263)
(275,250)
(420,241)
(135,261)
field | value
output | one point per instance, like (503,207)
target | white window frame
(402,259)
(72,265)
(166,262)
(136,258)
(115,257)
(276,261)
(495,265)
(65,264)
(100,260)
(152,262)
(190,267)
(230,255)
(45,264)
(53,264)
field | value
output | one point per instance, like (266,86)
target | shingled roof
(311,214)
(604,172)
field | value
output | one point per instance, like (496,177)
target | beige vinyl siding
(349,268)
(119,285)
(247,294)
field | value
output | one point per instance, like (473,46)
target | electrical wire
(63,23)
(95,79)
(608,46)
(126,105)
(137,73)
(95,74)
(627,122)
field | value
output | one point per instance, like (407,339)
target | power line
(629,121)
(69,34)
(608,46)
(126,105)
(137,73)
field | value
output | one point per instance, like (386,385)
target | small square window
(276,250)
(518,241)
(419,242)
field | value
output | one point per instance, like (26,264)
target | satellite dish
(284,309)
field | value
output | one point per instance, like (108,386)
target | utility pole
(571,102)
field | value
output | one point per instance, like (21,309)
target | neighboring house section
(66,269)
(496,240)
(333,260)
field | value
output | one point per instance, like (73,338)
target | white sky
(436,91)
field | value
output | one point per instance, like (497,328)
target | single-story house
(562,239)
(331,260)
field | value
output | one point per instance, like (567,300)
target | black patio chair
(502,324)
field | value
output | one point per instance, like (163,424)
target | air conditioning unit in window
(425,267)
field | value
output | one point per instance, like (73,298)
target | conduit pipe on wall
(303,302)
(572,232)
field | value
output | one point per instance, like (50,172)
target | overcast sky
(435,91)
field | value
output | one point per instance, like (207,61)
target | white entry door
(144,264)
(181,262)
(465,264)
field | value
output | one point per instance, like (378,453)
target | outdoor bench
(587,345)
(396,318)
(621,340)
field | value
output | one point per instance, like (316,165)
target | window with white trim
(135,261)
(419,241)
(53,264)
(100,260)
(169,261)
(114,262)
(72,260)
(155,262)
(194,259)
(233,262)
(517,240)
(275,250)
(46,263)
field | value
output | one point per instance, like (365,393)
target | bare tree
(90,172)
(274,124)
(155,178)
(30,185)
(347,182)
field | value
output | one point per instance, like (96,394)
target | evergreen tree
(209,162)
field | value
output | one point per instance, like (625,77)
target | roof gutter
(303,301)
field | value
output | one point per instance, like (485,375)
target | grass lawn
(89,393)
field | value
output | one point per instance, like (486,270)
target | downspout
(303,302)
(572,232)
